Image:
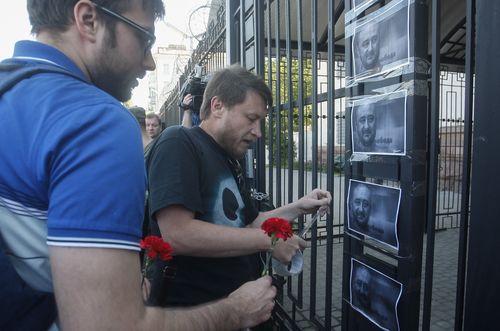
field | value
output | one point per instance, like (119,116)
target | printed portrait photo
(378,124)
(381,44)
(375,295)
(373,211)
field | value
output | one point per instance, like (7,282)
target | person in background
(140,115)
(190,117)
(199,199)
(153,125)
(72,175)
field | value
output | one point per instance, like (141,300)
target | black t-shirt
(188,168)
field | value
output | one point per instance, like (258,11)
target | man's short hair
(153,116)
(231,85)
(57,15)
(139,113)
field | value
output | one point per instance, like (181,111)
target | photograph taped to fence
(381,44)
(375,295)
(373,211)
(378,124)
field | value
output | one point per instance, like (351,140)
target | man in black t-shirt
(198,198)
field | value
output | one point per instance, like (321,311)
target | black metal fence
(298,48)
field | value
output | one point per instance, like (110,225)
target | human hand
(285,250)
(254,301)
(316,200)
(186,101)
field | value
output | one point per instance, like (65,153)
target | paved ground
(443,295)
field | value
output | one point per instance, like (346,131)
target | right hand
(254,301)
(188,98)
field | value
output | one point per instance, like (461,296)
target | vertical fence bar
(329,162)
(290,119)
(272,110)
(300,107)
(466,161)
(259,43)
(231,33)
(288,46)
(278,102)
(481,294)
(242,39)
(314,143)
(433,162)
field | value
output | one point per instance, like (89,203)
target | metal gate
(298,47)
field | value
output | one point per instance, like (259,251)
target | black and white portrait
(373,211)
(378,124)
(381,44)
(375,295)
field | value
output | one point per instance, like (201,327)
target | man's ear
(85,16)
(216,106)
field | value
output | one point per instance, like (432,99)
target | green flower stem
(269,253)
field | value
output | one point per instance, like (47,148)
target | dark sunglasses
(149,37)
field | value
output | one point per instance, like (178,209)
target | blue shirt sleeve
(97,178)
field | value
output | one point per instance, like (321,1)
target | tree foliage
(284,104)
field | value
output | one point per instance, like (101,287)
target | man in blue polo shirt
(72,177)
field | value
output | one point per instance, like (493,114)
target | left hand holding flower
(285,250)
(276,228)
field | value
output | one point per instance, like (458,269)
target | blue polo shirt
(71,169)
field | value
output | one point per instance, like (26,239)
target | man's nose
(370,46)
(149,62)
(256,130)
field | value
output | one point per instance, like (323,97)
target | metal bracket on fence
(259,196)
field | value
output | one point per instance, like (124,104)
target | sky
(14,25)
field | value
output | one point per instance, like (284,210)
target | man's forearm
(99,289)
(186,118)
(215,316)
(249,305)
(288,212)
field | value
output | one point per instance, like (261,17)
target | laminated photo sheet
(372,211)
(378,124)
(380,41)
(375,295)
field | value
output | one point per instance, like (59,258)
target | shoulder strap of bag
(22,307)
(12,73)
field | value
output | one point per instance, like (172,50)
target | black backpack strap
(12,72)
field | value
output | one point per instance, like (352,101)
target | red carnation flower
(276,228)
(155,246)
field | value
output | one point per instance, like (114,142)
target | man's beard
(367,141)
(362,218)
(110,76)
(371,60)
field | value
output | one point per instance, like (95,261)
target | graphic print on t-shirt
(226,205)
